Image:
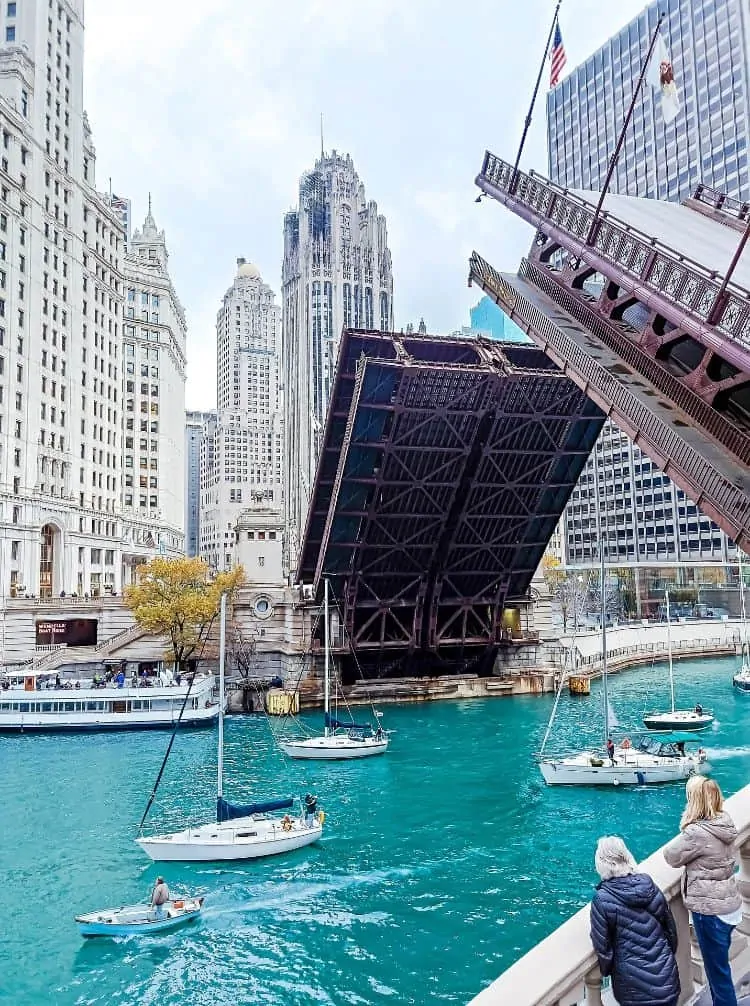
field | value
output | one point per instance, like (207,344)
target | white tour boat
(239,832)
(651,761)
(676,719)
(37,702)
(341,739)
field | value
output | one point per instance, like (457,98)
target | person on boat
(632,930)
(706,847)
(699,709)
(311,807)
(159,897)
(611,750)
(120,679)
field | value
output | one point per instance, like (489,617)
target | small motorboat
(131,920)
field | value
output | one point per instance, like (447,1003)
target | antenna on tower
(149,204)
(321,136)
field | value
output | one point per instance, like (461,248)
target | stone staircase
(63,655)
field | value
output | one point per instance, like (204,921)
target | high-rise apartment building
(241,448)
(153,402)
(709,43)
(656,525)
(336,274)
(194,426)
(62,287)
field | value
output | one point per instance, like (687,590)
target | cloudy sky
(214,108)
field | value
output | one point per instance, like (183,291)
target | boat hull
(741,682)
(137,920)
(334,748)
(242,838)
(579,771)
(680,720)
(41,726)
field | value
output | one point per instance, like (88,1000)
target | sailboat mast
(222,642)
(604,641)
(669,646)
(746,653)
(326,668)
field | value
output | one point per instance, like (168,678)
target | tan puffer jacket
(707,850)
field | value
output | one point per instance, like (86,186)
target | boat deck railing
(562,970)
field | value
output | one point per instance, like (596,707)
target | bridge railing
(562,970)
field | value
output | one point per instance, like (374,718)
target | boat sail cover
(334,724)
(227,811)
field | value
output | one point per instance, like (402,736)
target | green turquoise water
(441,863)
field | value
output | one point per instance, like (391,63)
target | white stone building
(62,286)
(241,448)
(336,274)
(258,546)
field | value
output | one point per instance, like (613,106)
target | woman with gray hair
(632,930)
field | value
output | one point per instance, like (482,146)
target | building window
(11,10)
(10,33)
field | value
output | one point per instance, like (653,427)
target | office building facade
(337,273)
(241,448)
(62,290)
(658,530)
(194,427)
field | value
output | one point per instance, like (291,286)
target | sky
(215,109)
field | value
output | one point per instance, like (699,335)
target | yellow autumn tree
(179,599)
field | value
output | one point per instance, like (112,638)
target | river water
(441,862)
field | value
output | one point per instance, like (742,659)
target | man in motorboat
(160,897)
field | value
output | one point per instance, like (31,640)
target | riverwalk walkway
(562,970)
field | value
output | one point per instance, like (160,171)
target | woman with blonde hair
(632,930)
(706,848)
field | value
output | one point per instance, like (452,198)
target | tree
(177,598)
(568,589)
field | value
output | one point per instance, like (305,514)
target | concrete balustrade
(562,970)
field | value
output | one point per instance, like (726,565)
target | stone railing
(563,969)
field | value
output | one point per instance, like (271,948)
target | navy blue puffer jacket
(635,938)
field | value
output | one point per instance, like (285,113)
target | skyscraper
(194,426)
(62,288)
(657,526)
(336,274)
(241,448)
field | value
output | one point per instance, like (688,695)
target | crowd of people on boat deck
(632,928)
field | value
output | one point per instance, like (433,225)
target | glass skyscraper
(709,43)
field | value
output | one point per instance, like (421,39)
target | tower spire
(149,204)
(321,137)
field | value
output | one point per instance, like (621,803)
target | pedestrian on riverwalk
(707,848)
(632,930)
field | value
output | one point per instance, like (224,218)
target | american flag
(557,58)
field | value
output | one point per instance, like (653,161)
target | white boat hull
(241,838)
(334,748)
(133,920)
(631,770)
(741,680)
(679,720)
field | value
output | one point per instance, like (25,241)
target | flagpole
(721,296)
(621,139)
(527,124)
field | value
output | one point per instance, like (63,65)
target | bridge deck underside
(446,465)
(711,476)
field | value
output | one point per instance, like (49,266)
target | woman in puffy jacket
(632,930)
(706,848)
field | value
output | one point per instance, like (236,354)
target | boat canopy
(228,811)
(334,724)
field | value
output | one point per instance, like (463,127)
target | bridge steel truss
(446,464)
(656,343)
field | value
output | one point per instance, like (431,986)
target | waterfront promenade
(562,968)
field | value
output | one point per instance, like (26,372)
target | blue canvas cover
(227,811)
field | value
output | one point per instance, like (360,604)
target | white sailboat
(676,719)
(649,761)
(741,680)
(239,832)
(341,739)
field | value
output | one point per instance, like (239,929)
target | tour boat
(239,832)
(647,763)
(130,920)
(741,680)
(676,719)
(341,739)
(31,702)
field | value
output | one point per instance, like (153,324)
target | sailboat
(239,832)
(676,719)
(741,680)
(341,739)
(649,761)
